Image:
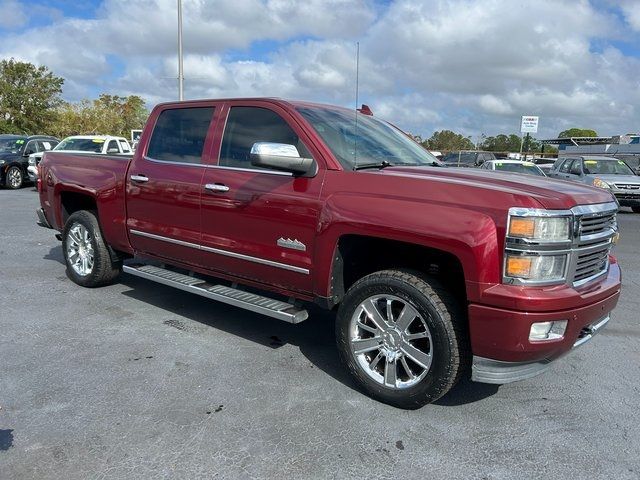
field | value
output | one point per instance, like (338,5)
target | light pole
(180,70)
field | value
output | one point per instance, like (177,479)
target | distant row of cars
(21,154)
(599,171)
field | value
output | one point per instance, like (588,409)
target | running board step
(232,296)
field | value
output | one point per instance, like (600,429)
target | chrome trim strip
(254,170)
(221,167)
(256,260)
(239,256)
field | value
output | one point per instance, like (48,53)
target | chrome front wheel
(80,250)
(402,336)
(391,341)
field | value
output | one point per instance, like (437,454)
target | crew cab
(270,205)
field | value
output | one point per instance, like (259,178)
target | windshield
(376,141)
(460,157)
(11,145)
(518,168)
(83,144)
(606,167)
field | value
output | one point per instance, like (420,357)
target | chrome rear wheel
(80,250)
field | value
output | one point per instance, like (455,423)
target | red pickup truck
(434,272)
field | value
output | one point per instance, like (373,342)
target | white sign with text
(529,124)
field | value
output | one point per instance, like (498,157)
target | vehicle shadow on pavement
(55,254)
(314,337)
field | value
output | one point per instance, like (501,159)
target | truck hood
(548,193)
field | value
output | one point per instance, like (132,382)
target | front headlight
(600,183)
(535,268)
(1,162)
(543,229)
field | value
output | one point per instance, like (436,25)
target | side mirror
(281,156)
(28,152)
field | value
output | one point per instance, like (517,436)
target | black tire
(635,209)
(444,318)
(104,271)
(14,178)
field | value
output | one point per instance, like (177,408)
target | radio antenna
(355,136)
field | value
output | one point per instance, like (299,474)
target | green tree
(28,97)
(502,143)
(108,114)
(448,140)
(577,132)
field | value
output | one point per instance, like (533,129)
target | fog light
(542,331)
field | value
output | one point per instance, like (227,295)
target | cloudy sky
(473,66)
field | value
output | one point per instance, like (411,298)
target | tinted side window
(566,166)
(179,134)
(32,147)
(248,125)
(576,168)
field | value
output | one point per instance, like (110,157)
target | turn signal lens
(518,267)
(536,268)
(522,227)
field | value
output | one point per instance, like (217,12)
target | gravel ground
(140,381)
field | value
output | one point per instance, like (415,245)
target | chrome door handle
(216,187)
(139,178)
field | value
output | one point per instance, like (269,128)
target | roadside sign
(529,124)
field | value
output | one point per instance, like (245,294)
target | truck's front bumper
(486,370)
(502,351)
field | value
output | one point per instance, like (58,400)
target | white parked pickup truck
(98,144)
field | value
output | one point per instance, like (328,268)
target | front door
(260,224)
(164,185)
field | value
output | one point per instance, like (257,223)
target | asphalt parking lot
(137,380)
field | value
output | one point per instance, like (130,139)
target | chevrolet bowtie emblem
(292,244)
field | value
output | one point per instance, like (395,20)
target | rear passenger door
(164,184)
(257,223)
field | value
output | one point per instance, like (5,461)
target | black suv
(14,156)
(467,159)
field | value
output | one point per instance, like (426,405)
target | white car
(98,144)
(513,166)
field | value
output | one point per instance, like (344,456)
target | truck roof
(275,100)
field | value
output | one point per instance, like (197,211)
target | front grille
(591,225)
(591,264)
(627,186)
(595,233)
(628,196)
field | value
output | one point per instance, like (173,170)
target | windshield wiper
(380,165)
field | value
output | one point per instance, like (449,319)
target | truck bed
(101,176)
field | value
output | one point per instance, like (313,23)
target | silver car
(604,172)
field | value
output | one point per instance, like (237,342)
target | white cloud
(12,15)
(469,65)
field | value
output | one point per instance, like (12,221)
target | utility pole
(180,68)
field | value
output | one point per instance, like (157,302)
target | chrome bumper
(486,370)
